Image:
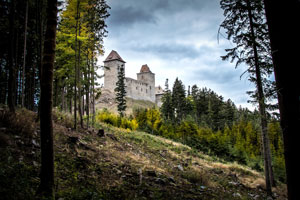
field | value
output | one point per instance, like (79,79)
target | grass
(123,165)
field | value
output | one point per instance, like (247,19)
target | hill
(107,100)
(121,164)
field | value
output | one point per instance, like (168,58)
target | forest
(48,59)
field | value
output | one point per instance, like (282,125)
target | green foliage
(117,121)
(18,180)
(120,91)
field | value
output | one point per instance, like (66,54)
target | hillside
(107,100)
(119,165)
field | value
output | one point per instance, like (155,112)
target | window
(146,91)
(136,88)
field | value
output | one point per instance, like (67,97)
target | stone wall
(138,90)
(111,74)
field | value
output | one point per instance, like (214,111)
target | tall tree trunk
(79,74)
(93,91)
(63,96)
(40,6)
(284,37)
(87,94)
(76,66)
(262,110)
(11,60)
(24,55)
(46,187)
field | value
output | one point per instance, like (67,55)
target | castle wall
(142,89)
(149,78)
(138,90)
(111,74)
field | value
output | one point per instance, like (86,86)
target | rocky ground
(118,165)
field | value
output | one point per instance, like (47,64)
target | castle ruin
(142,88)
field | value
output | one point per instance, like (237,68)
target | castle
(142,88)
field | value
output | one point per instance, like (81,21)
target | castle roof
(145,68)
(114,56)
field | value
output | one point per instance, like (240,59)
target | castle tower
(111,67)
(148,77)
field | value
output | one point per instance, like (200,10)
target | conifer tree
(178,101)
(46,188)
(166,109)
(121,91)
(246,27)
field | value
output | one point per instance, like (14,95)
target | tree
(284,38)
(120,91)
(167,109)
(153,119)
(246,27)
(178,101)
(46,187)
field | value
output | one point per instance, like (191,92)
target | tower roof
(114,56)
(145,68)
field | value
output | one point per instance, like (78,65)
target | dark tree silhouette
(121,91)
(46,188)
(284,36)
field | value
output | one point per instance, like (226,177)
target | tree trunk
(46,187)
(262,110)
(63,98)
(284,37)
(87,76)
(24,55)
(76,66)
(11,60)
(93,91)
(79,73)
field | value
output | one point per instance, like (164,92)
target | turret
(148,77)
(111,67)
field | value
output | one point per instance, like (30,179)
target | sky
(176,38)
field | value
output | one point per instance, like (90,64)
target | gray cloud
(169,50)
(179,39)
(129,15)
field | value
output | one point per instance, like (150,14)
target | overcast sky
(176,38)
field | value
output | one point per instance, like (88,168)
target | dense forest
(49,60)
(207,122)
(79,39)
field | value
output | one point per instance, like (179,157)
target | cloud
(126,16)
(176,38)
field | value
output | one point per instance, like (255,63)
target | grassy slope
(120,165)
(107,101)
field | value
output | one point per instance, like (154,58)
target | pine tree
(167,109)
(46,188)
(178,101)
(120,91)
(246,27)
(284,37)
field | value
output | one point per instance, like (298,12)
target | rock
(171,179)
(233,183)
(35,143)
(179,167)
(237,194)
(36,164)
